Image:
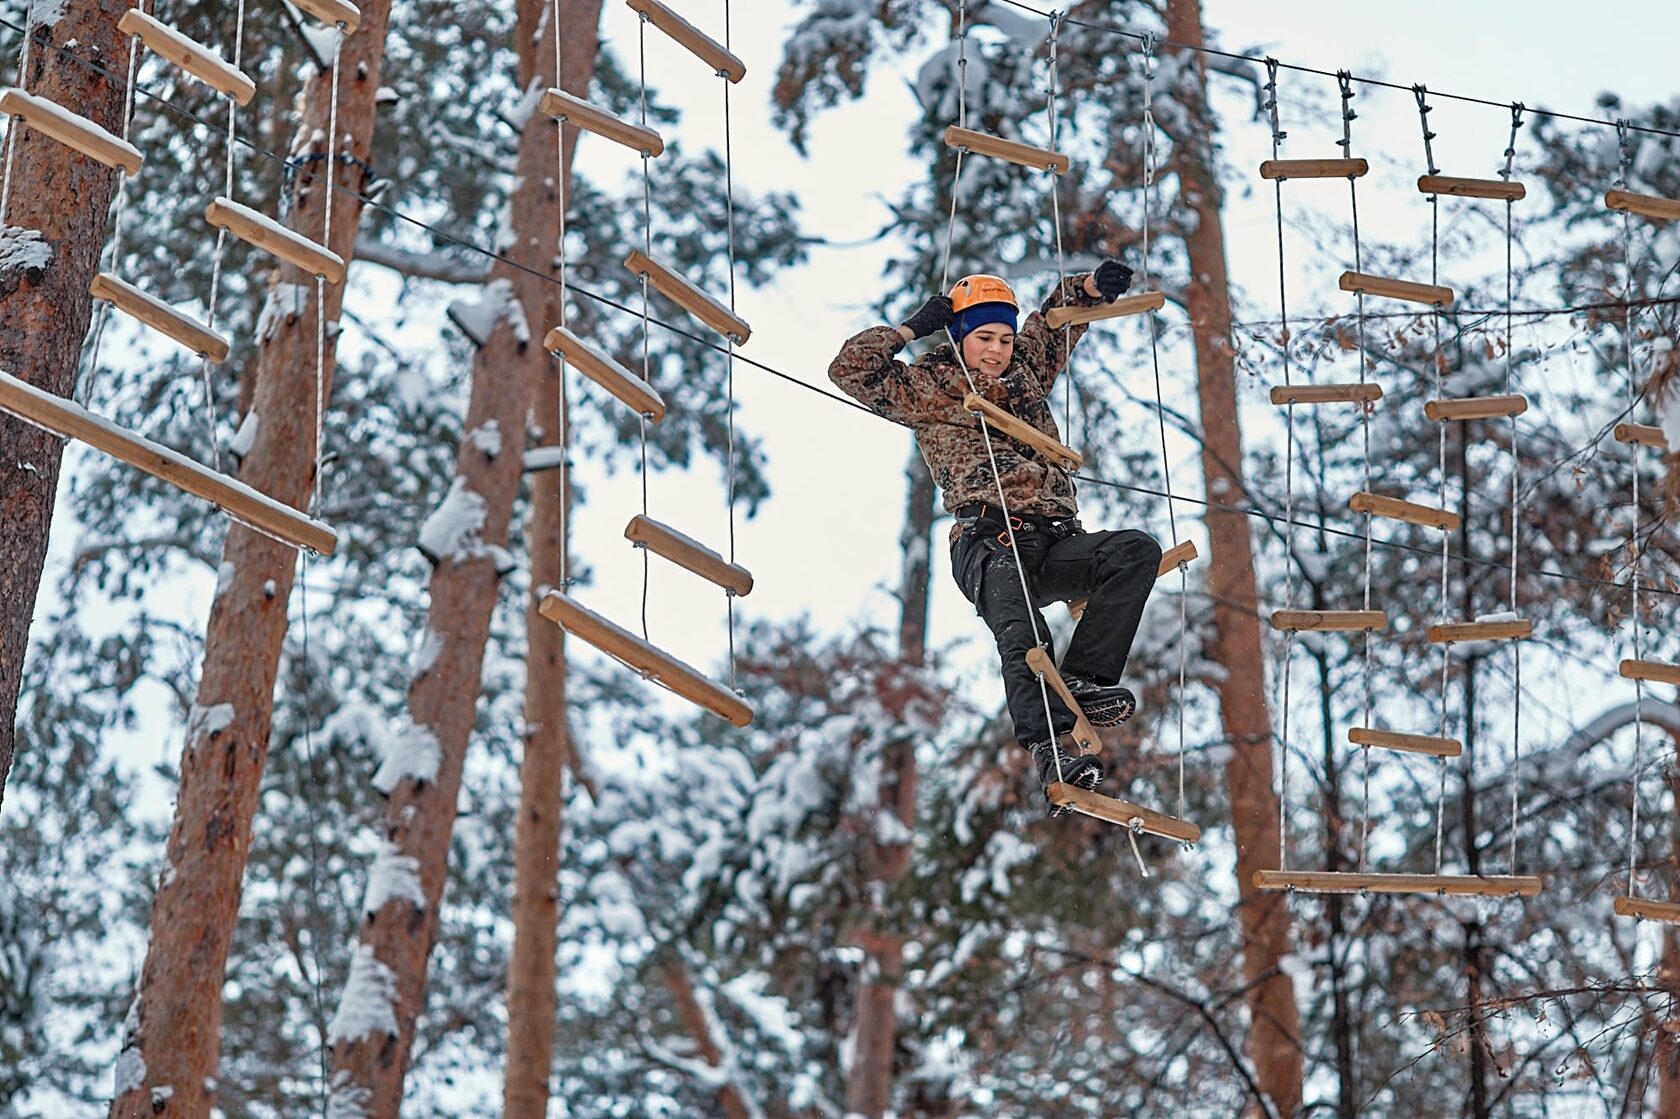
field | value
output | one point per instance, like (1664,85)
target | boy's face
(989,347)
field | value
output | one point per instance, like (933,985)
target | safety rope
(1624,164)
(962,122)
(13,123)
(1051,111)
(221,245)
(103,315)
(1505,173)
(647,249)
(562,420)
(729,210)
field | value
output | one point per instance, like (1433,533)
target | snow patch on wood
(23,249)
(427,654)
(285,303)
(393,876)
(224,577)
(129,1074)
(451,532)
(367,1006)
(544,458)
(1668,415)
(347,1099)
(246,437)
(412,752)
(478,321)
(207,722)
(487,437)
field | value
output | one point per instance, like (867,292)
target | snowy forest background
(855,906)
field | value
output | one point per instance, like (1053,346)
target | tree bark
(699,1028)
(1666,1050)
(1274,1041)
(66,197)
(369,1066)
(175,1027)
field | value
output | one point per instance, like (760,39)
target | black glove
(935,315)
(1112,279)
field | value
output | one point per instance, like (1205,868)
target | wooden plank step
(561,105)
(1432,294)
(1284,169)
(1083,733)
(1666,911)
(1654,671)
(1020,430)
(1643,435)
(1477,407)
(635,393)
(53,120)
(1366,393)
(1348,882)
(1410,743)
(1497,189)
(1122,812)
(981,143)
(685,551)
(1340,621)
(659,666)
(1136,304)
(270,236)
(699,44)
(1395,509)
(69,420)
(199,61)
(160,316)
(1645,205)
(333,12)
(1180,553)
(1447,633)
(690,298)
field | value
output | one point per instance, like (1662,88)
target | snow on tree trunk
(1274,1041)
(62,199)
(180,1006)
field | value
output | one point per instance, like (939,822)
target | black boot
(1105,705)
(1082,771)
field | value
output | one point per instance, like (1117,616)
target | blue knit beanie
(981,314)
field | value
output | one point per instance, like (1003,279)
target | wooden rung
(707,49)
(690,298)
(1366,393)
(1643,435)
(1122,812)
(1645,205)
(70,421)
(561,105)
(1397,289)
(1313,168)
(1348,882)
(1651,670)
(1023,432)
(981,143)
(272,237)
(1409,511)
(1665,911)
(1083,733)
(1181,553)
(159,315)
(1476,407)
(1498,189)
(624,646)
(199,61)
(52,119)
(687,552)
(1137,304)
(1410,743)
(1448,632)
(1341,621)
(635,393)
(333,12)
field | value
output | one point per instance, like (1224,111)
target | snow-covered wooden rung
(1667,912)
(690,298)
(1137,304)
(1655,671)
(1365,393)
(1412,292)
(270,236)
(1645,205)
(1477,407)
(1500,190)
(1174,557)
(333,12)
(160,316)
(52,119)
(1349,882)
(701,45)
(561,105)
(635,393)
(1409,743)
(1084,735)
(1395,509)
(199,61)
(1514,629)
(685,551)
(661,667)
(1281,169)
(982,143)
(71,421)
(1337,621)
(1023,432)
(1122,812)
(1643,435)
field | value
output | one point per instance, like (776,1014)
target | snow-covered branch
(422,266)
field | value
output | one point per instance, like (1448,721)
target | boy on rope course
(1058,559)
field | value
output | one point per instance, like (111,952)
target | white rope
(221,244)
(1625,162)
(562,420)
(962,122)
(321,281)
(1278,136)
(103,315)
(13,124)
(729,209)
(1051,111)
(647,248)
(1516,475)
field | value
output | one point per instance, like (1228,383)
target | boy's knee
(1131,546)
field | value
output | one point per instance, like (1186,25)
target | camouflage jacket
(927,396)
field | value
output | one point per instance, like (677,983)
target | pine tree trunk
(66,197)
(1274,1041)
(1666,1052)
(175,1027)
(369,1068)
(699,1028)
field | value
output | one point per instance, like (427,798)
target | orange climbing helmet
(981,288)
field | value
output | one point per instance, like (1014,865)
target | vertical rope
(962,122)
(221,246)
(1051,111)
(1624,146)
(135,50)
(13,123)
(1516,476)
(647,248)
(321,281)
(563,435)
(1278,136)
(729,209)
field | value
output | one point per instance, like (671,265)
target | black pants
(1114,570)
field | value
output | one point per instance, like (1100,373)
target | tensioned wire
(647,248)
(729,210)
(1624,166)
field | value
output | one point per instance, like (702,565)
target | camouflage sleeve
(868,370)
(1045,350)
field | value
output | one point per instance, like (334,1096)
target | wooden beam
(1281,169)
(1477,407)
(1665,911)
(270,236)
(1645,205)
(703,46)
(1432,294)
(1180,553)
(159,315)
(1348,882)
(1365,393)
(1395,509)
(561,105)
(1654,671)
(1341,621)
(333,12)
(1410,743)
(52,119)
(1020,430)
(1137,304)
(981,143)
(1122,812)
(628,649)
(690,298)
(1643,435)
(244,504)
(1083,733)
(635,393)
(1497,189)
(199,61)
(684,551)
(1447,633)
